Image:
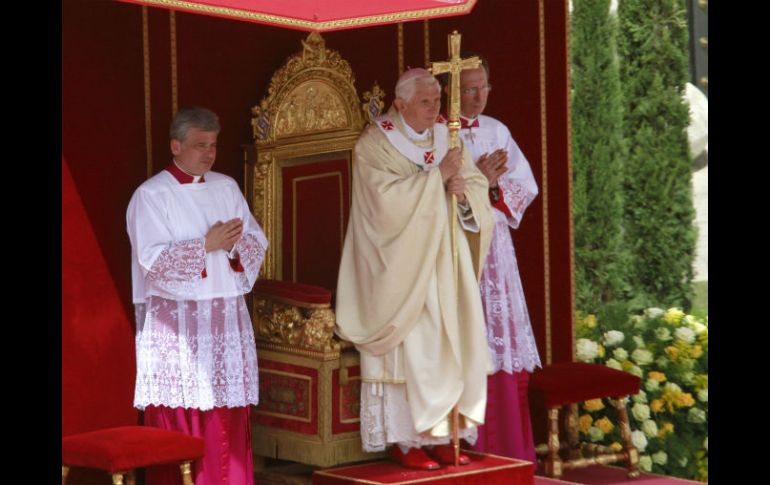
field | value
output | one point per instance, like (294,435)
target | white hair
(406,86)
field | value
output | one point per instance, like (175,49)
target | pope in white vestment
(422,339)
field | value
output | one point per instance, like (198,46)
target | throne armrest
(295,316)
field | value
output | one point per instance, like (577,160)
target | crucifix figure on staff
(407,296)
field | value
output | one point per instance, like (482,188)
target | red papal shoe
(445,455)
(414,458)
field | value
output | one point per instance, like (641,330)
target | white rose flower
(703,395)
(587,350)
(645,463)
(639,341)
(663,334)
(613,364)
(650,428)
(654,312)
(683,461)
(688,377)
(698,328)
(696,415)
(651,385)
(685,334)
(642,356)
(637,371)
(662,362)
(640,324)
(670,386)
(640,411)
(660,458)
(640,397)
(639,440)
(595,434)
(673,316)
(620,354)
(613,337)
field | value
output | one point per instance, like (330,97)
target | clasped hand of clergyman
(493,165)
(223,235)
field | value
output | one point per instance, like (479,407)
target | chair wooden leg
(553,460)
(117,478)
(625,431)
(64,471)
(186,473)
(573,437)
(131,478)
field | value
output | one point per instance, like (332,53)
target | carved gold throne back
(298,181)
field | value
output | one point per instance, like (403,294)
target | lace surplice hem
(509,331)
(195,354)
(386,420)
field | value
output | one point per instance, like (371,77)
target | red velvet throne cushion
(572,382)
(127,447)
(293,292)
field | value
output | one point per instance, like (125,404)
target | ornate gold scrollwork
(313,92)
(308,328)
(311,109)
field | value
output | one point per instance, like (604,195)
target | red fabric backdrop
(98,365)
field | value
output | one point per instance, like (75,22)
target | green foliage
(658,211)
(598,154)
(668,350)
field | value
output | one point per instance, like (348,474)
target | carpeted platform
(610,475)
(483,470)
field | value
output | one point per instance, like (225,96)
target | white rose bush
(668,350)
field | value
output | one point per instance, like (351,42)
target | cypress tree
(597,157)
(658,211)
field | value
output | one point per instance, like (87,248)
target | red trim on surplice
(499,204)
(235,264)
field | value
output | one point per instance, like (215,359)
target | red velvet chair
(121,450)
(567,384)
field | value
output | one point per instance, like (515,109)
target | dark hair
(192,117)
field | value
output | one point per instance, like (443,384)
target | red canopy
(319,15)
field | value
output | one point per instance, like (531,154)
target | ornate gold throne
(298,179)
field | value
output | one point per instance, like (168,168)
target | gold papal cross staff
(454,66)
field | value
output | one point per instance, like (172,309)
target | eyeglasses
(475,91)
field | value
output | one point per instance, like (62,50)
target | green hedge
(658,210)
(599,151)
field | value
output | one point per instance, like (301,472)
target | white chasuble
(396,297)
(509,331)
